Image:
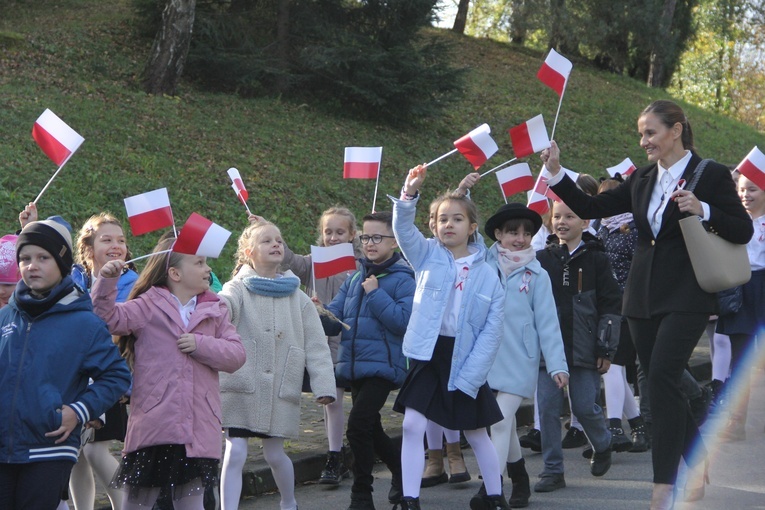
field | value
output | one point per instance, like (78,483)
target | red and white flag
(238,185)
(477,146)
(362,162)
(538,202)
(56,139)
(624,168)
(545,175)
(753,167)
(331,260)
(529,137)
(200,236)
(515,179)
(555,71)
(149,211)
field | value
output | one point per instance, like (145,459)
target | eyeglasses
(376,239)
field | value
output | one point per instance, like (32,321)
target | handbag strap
(697,174)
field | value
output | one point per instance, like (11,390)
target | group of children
(464,332)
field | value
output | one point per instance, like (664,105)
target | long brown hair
(471,211)
(86,238)
(669,114)
(154,274)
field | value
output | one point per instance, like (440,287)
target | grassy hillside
(80,58)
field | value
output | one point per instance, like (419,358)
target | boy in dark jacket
(51,342)
(375,303)
(588,301)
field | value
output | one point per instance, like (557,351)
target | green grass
(81,59)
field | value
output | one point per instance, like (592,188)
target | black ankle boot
(516,471)
(334,470)
(408,503)
(639,435)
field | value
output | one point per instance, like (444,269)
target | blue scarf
(276,287)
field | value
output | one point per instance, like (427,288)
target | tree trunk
(460,21)
(518,21)
(659,50)
(170,48)
(283,44)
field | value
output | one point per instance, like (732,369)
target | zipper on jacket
(16,391)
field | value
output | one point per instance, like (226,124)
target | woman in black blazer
(666,309)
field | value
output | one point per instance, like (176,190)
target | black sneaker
(550,482)
(361,501)
(600,463)
(574,439)
(532,439)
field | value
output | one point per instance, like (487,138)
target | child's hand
(317,301)
(68,423)
(561,380)
(551,158)
(414,179)
(187,343)
(28,215)
(325,400)
(603,365)
(468,182)
(254,218)
(112,269)
(370,284)
(96,424)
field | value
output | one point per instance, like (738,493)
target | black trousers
(664,345)
(365,433)
(37,485)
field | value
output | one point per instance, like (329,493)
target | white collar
(676,170)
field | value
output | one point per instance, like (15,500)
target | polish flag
(331,260)
(753,167)
(538,203)
(238,185)
(555,71)
(149,211)
(477,146)
(624,168)
(200,236)
(515,179)
(529,137)
(56,139)
(362,162)
(545,175)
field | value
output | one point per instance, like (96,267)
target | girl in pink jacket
(176,336)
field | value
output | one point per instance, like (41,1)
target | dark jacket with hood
(377,320)
(587,297)
(48,349)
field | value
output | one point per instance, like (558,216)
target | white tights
(334,420)
(719,349)
(413,455)
(95,460)
(619,397)
(147,498)
(504,434)
(233,463)
(435,434)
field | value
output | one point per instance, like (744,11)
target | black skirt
(115,426)
(750,318)
(235,432)
(168,467)
(426,391)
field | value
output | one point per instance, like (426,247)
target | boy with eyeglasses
(375,303)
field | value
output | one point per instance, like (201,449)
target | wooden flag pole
(147,256)
(560,102)
(377,183)
(498,167)
(442,157)
(50,180)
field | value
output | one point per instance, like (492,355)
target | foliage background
(81,59)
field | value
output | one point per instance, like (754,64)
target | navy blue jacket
(45,363)
(378,320)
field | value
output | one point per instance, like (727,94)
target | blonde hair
(86,238)
(335,211)
(245,244)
